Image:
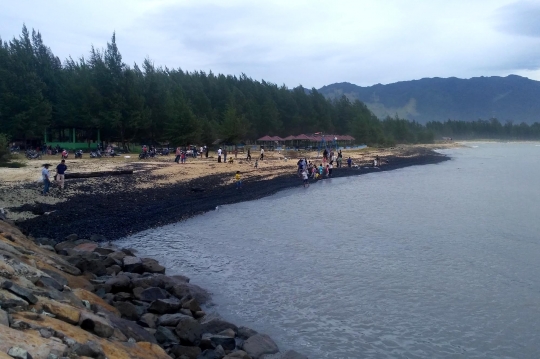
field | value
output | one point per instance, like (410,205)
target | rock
(28,340)
(165,336)
(181,290)
(129,311)
(90,349)
(291,354)
(152,266)
(220,352)
(118,336)
(227,342)
(85,247)
(114,269)
(189,330)
(171,320)
(120,283)
(97,325)
(152,293)
(245,333)
(133,264)
(199,314)
(123,296)
(239,354)
(258,345)
(103,251)
(45,333)
(20,292)
(48,247)
(96,303)
(209,354)
(117,256)
(132,330)
(163,306)
(18,353)
(87,264)
(129,251)
(62,311)
(60,279)
(188,352)
(4,318)
(216,325)
(227,333)
(71,237)
(192,305)
(148,320)
(151,280)
(48,282)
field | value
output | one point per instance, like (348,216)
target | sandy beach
(160,191)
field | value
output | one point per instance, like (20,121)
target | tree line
(151,104)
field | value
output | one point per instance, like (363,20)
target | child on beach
(320,169)
(305,178)
(349,162)
(330,168)
(256,163)
(327,170)
(238,180)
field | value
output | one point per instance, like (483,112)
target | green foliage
(4,147)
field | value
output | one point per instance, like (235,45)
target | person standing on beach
(349,162)
(262,153)
(60,174)
(238,179)
(235,153)
(225,155)
(183,157)
(178,153)
(305,178)
(330,168)
(219,155)
(206,151)
(46,180)
(248,158)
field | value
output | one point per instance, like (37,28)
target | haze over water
(437,261)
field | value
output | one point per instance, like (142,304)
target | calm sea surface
(437,261)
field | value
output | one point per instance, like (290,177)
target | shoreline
(116,207)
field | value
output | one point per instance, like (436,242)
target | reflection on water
(425,262)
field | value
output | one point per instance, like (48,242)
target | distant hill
(512,98)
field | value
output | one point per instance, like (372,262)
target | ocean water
(436,261)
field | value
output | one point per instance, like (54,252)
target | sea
(433,261)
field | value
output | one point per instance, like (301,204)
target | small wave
(474,146)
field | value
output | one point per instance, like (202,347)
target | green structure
(72,138)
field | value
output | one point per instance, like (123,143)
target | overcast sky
(292,42)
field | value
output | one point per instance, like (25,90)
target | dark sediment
(113,208)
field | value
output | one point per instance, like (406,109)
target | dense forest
(151,104)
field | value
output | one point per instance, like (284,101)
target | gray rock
(117,256)
(258,345)
(189,330)
(220,352)
(291,354)
(4,318)
(48,282)
(152,266)
(209,354)
(165,336)
(239,354)
(95,324)
(90,349)
(245,333)
(45,333)
(18,353)
(132,264)
(182,289)
(227,333)
(120,283)
(192,305)
(48,247)
(189,352)
(123,296)
(199,314)
(20,292)
(164,306)
(129,311)
(129,251)
(171,320)
(114,269)
(226,342)
(148,320)
(57,276)
(216,325)
(132,330)
(152,293)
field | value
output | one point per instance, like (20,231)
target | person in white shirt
(46,180)
(262,153)
(219,155)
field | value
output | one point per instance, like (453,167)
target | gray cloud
(519,18)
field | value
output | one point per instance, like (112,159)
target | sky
(297,42)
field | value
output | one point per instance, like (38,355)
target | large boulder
(21,292)
(133,264)
(165,336)
(95,324)
(90,349)
(245,333)
(152,266)
(216,325)
(188,352)
(64,312)
(129,310)
(132,330)
(192,305)
(226,342)
(120,283)
(164,306)
(189,330)
(149,320)
(171,320)
(259,345)
(182,289)
(49,282)
(151,294)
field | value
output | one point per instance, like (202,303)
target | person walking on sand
(238,179)
(178,154)
(225,155)
(219,155)
(206,151)
(60,174)
(46,180)
(262,153)
(183,157)
(248,158)
(256,163)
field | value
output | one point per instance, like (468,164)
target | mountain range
(511,98)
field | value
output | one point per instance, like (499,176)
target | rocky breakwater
(77,299)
